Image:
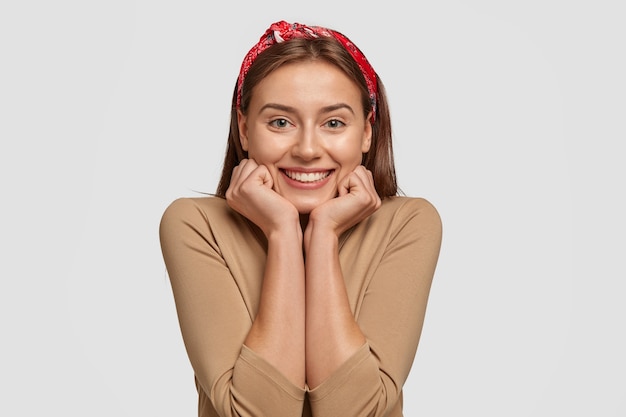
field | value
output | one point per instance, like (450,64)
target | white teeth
(307,176)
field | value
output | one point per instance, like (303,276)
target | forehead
(307,83)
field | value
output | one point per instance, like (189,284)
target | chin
(306,207)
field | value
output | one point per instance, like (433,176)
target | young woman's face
(305,123)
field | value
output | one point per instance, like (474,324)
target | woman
(301,287)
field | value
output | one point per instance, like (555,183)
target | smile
(307,177)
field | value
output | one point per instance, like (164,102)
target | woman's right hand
(251,194)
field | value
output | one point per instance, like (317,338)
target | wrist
(289,232)
(322,234)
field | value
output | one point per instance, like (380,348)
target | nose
(308,144)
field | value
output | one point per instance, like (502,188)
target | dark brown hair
(379,159)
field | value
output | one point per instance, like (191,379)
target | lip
(313,185)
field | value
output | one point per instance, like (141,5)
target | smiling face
(306,124)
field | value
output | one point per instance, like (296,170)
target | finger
(363,174)
(372,185)
(367,177)
(239,168)
(243,171)
(235,175)
(246,167)
(365,187)
(350,184)
(262,174)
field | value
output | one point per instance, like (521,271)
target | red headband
(283,31)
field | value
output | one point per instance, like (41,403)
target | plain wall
(508,117)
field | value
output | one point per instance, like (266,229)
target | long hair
(379,160)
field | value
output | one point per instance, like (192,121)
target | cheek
(349,155)
(264,150)
(258,153)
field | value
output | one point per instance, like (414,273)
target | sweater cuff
(270,374)
(357,364)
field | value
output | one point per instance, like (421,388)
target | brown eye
(334,124)
(279,123)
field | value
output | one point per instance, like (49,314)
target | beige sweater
(215,260)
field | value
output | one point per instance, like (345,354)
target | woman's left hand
(356,200)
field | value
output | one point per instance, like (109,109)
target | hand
(357,199)
(250,193)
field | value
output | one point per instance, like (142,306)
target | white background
(509,117)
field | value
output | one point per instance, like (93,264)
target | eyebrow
(290,109)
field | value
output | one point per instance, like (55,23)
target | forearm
(332,334)
(277,333)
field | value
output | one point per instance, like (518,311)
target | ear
(367,134)
(243,130)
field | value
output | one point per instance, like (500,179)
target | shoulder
(399,222)
(194,213)
(404,233)
(402,211)
(186,207)
(408,203)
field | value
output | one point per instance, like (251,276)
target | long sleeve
(388,263)
(215,268)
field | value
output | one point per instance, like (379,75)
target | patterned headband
(282,31)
